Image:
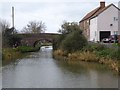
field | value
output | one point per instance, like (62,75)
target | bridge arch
(42,41)
(33,39)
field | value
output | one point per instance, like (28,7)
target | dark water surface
(40,70)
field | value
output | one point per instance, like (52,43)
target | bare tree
(34,27)
(5,28)
(3,25)
(8,34)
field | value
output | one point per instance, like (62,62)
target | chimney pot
(102,4)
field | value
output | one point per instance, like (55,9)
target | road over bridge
(31,39)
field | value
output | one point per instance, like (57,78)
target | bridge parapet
(30,39)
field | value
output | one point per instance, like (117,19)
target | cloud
(52,13)
(57,0)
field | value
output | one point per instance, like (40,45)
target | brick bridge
(32,39)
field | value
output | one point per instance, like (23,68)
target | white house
(101,22)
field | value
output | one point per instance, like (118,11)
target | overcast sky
(51,12)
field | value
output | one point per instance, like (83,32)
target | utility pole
(13,17)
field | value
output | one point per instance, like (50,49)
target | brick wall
(84,25)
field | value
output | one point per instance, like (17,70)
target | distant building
(101,22)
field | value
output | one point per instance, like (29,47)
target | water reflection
(91,74)
(40,70)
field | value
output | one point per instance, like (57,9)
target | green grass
(25,49)
(11,54)
(104,51)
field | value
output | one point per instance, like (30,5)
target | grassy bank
(11,54)
(90,56)
(72,45)
(25,49)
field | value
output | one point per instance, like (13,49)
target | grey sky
(52,12)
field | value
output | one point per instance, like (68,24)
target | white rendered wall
(93,30)
(106,18)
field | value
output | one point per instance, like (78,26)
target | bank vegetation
(12,48)
(72,45)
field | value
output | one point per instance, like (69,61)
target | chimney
(102,4)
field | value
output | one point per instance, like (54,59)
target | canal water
(40,70)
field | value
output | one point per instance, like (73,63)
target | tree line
(10,37)
(70,39)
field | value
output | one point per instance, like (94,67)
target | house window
(115,32)
(115,18)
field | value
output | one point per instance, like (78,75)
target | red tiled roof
(101,10)
(96,12)
(90,14)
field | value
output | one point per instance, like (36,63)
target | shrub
(59,53)
(103,53)
(98,47)
(14,39)
(70,39)
(94,47)
(115,53)
(57,41)
(74,41)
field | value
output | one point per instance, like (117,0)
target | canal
(40,70)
